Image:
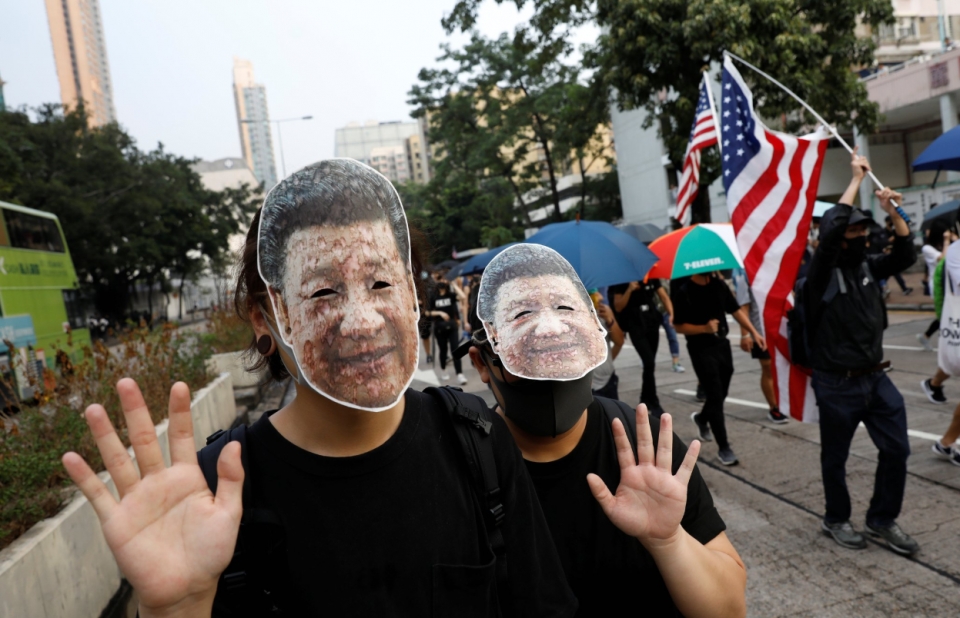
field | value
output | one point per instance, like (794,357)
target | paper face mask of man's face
(333,249)
(538,316)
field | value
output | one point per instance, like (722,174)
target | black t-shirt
(698,304)
(399,531)
(448,303)
(640,304)
(604,566)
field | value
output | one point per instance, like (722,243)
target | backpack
(257,577)
(800,324)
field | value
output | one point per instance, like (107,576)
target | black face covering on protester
(855,251)
(544,407)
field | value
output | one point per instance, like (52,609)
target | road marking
(912,348)
(753,404)
(741,402)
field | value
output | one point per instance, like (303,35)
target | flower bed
(32,479)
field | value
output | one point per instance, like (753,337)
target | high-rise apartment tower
(80,54)
(253,120)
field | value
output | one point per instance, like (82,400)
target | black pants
(934,327)
(446,335)
(844,403)
(714,369)
(645,337)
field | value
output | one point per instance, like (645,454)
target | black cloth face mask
(855,251)
(543,407)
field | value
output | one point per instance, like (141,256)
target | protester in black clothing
(700,305)
(635,306)
(661,532)
(446,326)
(846,319)
(377,512)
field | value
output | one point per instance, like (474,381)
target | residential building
(392,162)
(916,31)
(357,141)
(417,156)
(3,105)
(80,55)
(253,121)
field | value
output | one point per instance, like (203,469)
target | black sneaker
(429,359)
(701,394)
(778,417)
(908,291)
(702,428)
(933,393)
(844,534)
(896,539)
(947,452)
(727,457)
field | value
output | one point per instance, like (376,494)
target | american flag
(771,181)
(702,135)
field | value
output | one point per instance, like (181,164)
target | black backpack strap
(472,425)
(258,565)
(614,408)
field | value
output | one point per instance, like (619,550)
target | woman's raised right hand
(171,537)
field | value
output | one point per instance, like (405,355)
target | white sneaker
(925,342)
(462,379)
(678,368)
(445,376)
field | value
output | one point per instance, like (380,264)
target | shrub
(32,479)
(226,332)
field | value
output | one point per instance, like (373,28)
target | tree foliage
(511,108)
(650,47)
(129,216)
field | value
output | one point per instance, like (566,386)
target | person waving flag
(702,135)
(771,181)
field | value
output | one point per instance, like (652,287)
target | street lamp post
(283,163)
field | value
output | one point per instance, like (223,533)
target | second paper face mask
(538,317)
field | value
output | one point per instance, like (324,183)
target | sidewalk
(916,301)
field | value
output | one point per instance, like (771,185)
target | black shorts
(759,354)
(425,326)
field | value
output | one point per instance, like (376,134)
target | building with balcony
(253,121)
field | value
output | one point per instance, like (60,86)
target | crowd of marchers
(366,497)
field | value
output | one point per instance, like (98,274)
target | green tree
(654,46)
(128,216)
(495,103)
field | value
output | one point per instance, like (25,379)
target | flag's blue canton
(703,105)
(736,130)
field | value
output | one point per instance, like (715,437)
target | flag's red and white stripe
(771,205)
(704,134)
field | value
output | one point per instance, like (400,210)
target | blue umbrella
(947,212)
(477,263)
(942,154)
(601,254)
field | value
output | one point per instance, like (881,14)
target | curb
(911,307)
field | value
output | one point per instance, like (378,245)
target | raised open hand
(650,500)
(170,536)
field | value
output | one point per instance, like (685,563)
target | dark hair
(336,192)
(522,261)
(937,229)
(251,292)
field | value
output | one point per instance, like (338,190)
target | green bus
(39,289)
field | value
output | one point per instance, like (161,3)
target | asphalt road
(772,502)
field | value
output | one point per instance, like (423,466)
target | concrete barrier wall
(232,362)
(62,566)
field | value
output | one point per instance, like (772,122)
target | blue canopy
(942,154)
(601,254)
(477,263)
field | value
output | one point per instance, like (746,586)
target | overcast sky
(171,62)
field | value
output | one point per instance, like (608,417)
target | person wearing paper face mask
(659,532)
(353,504)
(846,318)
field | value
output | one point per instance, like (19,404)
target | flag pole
(713,110)
(832,130)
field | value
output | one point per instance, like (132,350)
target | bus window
(73,304)
(32,232)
